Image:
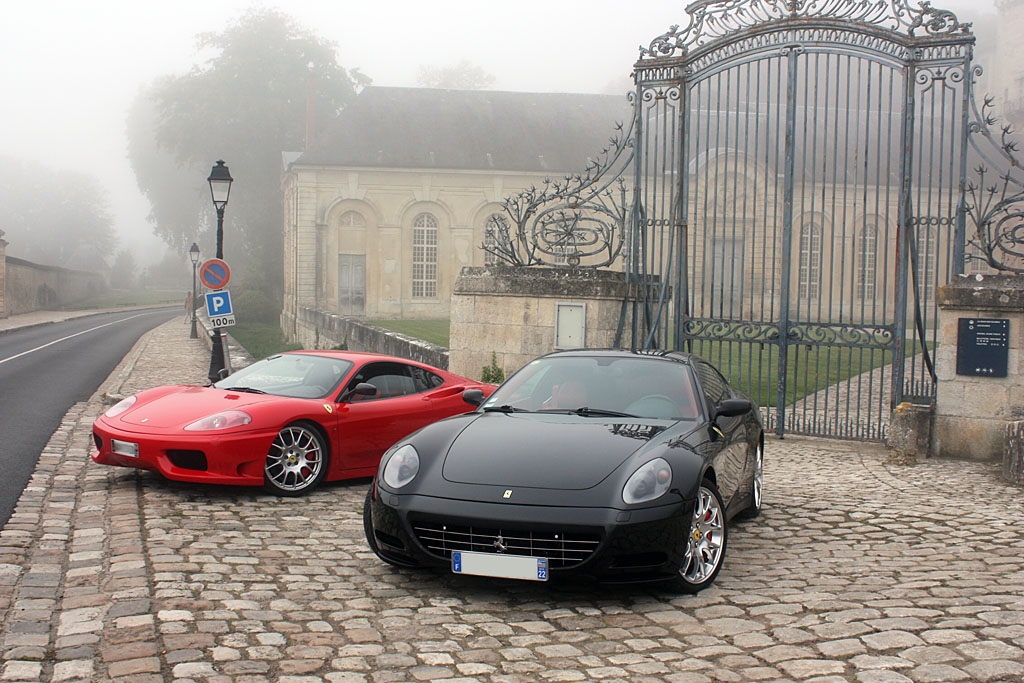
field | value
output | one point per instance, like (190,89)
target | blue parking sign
(218,307)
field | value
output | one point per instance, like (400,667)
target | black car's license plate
(501,566)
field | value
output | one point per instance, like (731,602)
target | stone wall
(972,412)
(510,313)
(320,330)
(32,287)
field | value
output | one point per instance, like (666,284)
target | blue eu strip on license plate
(501,566)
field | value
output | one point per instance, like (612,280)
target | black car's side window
(716,389)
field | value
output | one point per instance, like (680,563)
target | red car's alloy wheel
(297,461)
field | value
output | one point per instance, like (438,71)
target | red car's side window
(393,379)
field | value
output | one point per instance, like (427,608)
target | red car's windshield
(295,375)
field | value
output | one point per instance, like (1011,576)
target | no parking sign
(214,273)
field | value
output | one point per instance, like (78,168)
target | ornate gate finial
(713,19)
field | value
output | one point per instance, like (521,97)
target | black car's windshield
(296,375)
(599,386)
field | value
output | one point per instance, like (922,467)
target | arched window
(351,219)
(810,261)
(867,261)
(351,264)
(929,262)
(495,232)
(424,256)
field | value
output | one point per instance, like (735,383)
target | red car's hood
(178,406)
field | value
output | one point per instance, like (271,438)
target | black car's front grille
(563,550)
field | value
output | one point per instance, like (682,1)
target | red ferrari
(288,422)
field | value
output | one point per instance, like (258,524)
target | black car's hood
(552,451)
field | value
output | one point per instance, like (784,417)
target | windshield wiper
(247,390)
(505,409)
(586,411)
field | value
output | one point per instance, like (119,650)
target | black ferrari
(621,465)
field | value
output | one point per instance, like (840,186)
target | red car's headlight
(120,407)
(225,420)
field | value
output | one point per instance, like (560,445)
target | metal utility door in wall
(799,171)
(352,284)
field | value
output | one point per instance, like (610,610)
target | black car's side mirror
(361,389)
(473,397)
(733,407)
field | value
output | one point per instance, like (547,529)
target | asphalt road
(46,369)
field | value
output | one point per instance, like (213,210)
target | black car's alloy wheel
(297,461)
(706,544)
(756,492)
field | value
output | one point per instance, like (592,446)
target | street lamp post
(193,253)
(220,187)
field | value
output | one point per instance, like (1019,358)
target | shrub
(493,374)
(256,306)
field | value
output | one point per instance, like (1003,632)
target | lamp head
(220,185)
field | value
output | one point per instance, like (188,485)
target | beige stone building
(389,204)
(1005,73)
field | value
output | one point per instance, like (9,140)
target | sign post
(215,274)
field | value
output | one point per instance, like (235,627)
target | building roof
(428,128)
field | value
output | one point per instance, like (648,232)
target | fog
(70,69)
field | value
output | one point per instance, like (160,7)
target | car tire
(297,461)
(756,492)
(706,542)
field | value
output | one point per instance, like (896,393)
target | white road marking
(70,336)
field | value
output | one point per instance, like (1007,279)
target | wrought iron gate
(801,169)
(788,197)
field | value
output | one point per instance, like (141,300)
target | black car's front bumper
(646,544)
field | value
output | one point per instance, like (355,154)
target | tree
(461,76)
(125,268)
(246,105)
(54,217)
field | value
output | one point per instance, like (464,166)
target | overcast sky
(69,69)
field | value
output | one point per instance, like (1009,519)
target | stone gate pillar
(978,400)
(512,312)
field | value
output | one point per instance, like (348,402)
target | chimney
(310,106)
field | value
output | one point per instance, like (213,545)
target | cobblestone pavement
(857,570)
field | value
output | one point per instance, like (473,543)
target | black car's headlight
(402,467)
(649,482)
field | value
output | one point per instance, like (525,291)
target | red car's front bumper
(231,459)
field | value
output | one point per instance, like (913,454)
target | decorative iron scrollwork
(579,221)
(995,206)
(729,330)
(858,336)
(714,19)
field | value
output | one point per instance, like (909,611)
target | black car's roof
(659,354)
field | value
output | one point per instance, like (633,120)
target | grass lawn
(433,331)
(116,298)
(261,339)
(754,368)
